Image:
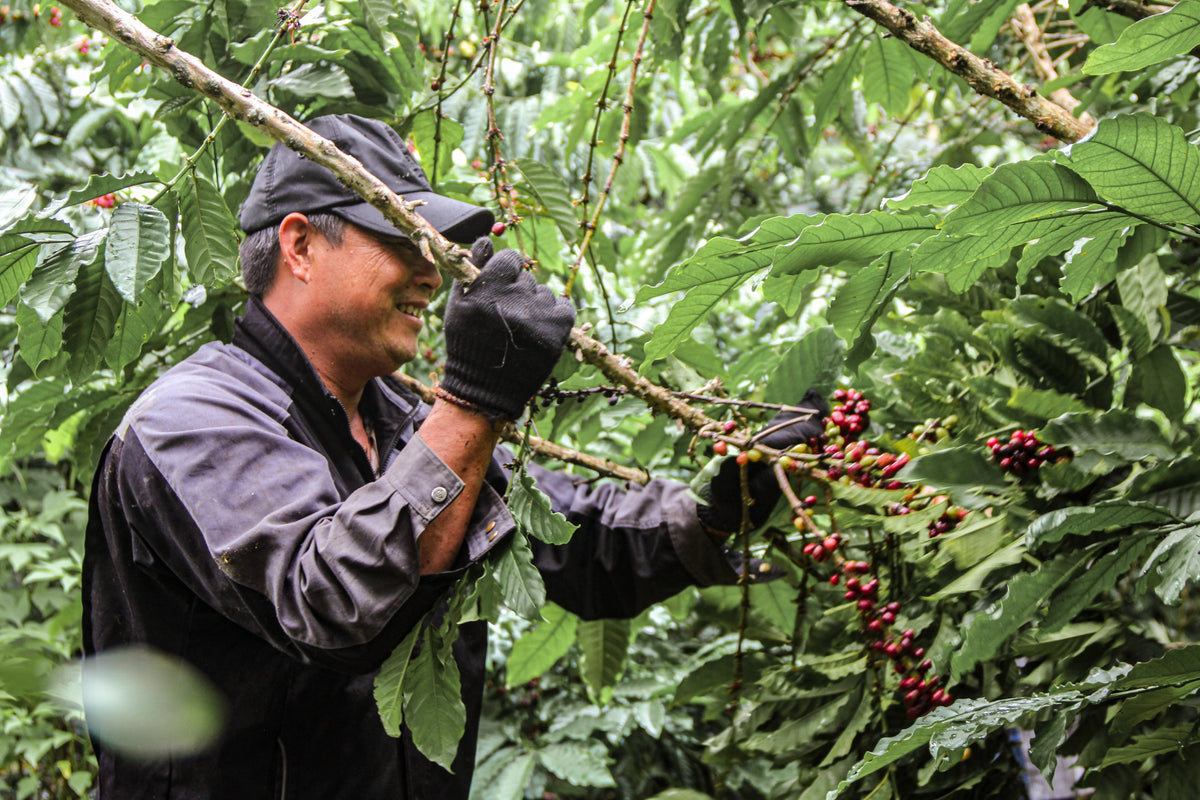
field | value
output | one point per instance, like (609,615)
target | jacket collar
(389,407)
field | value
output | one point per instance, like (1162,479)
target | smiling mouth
(408,308)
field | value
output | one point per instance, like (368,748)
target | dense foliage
(801,199)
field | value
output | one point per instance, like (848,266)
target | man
(280,512)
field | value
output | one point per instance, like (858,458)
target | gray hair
(259,252)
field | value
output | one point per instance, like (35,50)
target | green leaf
(1141,707)
(326,80)
(860,301)
(1145,164)
(1177,562)
(208,227)
(532,512)
(1162,741)
(722,259)
(1144,293)
(539,649)
(578,763)
(1102,575)
(888,73)
(942,186)
(89,319)
(1085,520)
(1114,433)
(1045,404)
(511,783)
(1158,380)
(955,726)
(37,340)
(1022,192)
(604,644)
(988,632)
(551,195)
(1177,666)
(794,734)
(15,202)
(859,238)
(954,467)
(520,582)
(135,324)
(100,185)
(813,362)
(18,257)
(389,683)
(1149,41)
(433,704)
(137,247)
(53,279)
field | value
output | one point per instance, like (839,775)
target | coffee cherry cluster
(550,394)
(851,415)
(103,201)
(16,15)
(946,522)
(824,549)
(1023,453)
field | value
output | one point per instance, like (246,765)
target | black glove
(504,334)
(724,510)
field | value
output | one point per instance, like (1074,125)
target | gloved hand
(504,334)
(723,511)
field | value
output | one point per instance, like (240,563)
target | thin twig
(1024,24)
(441,81)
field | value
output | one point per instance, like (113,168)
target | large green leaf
(137,247)
(1083,520)
(941,186)
(604,644)
(1177,562)
(15,202)
(208,228)
(954,467)
(1180,665)
(1115,433)
(988,632)
(135,324)
(860,301)
(326,80)
(813,362)
(551,195)
(99,185)
(389,683)
(888,72)
(1021,192)
(1149,41)
(1158,380)
(38,340)
(18,256)
(1102,575)
(539,649)
(578,763)
(433,704)
(89,319)
(955,726)
(520,582)
(857,238)
(53,279)
(532,512)
(1145,164)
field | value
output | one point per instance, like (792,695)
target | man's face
(372,293)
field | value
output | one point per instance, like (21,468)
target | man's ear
(296,239)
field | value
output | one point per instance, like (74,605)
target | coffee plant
(972,225)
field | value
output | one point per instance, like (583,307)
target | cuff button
(439,494)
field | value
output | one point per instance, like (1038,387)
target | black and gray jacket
(236,523)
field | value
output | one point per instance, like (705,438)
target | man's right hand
(504,334)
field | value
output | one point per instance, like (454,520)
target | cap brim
(458,221)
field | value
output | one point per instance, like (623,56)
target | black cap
(288,181)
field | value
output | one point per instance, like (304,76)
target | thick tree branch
(1027,30)
(981,75)
(241,104)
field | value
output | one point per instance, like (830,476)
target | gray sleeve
(229,502)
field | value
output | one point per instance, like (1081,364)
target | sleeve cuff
(424,481)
